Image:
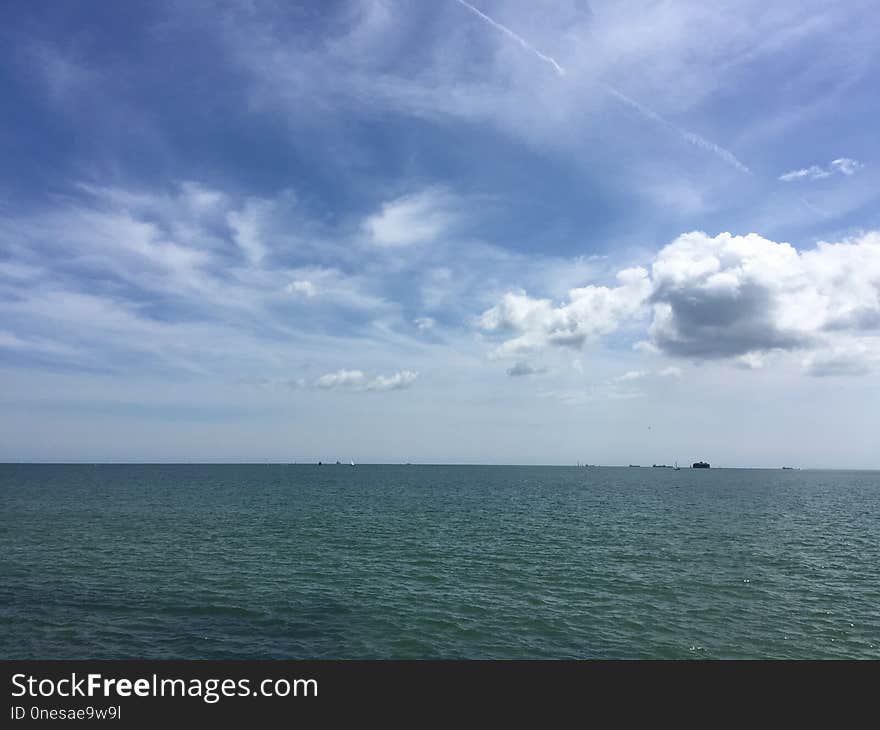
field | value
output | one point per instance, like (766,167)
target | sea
(437,562)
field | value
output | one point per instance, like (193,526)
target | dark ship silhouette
(701,465)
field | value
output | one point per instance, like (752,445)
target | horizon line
(419,463)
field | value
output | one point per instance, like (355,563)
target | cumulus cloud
(735,297)
(398,381)
(411,219)
(591,311)
(732,296)
(356,380)
(424,323)
(341,379)
(842,165)
(728,295)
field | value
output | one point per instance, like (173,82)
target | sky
(388,230)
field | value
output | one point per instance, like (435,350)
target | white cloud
(591,311)
(334,287)
(122,275)
(671,372)
(246,228)
(398,381)
(751,361)
(737,297)
(728,295)
(843,165)
(467,72)
(341,379)
(632,375)
(813,172)
(356,380)
(302,286)
(424,323)
(411,219)
(647,347)
(853,358)
(11,341)
(846,166)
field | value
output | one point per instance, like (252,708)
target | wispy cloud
(412,219)
(245,225)
(846,166)
(11,341)
(842,165)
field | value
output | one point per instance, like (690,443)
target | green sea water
(302,561)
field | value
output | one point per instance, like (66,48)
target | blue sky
(389,230)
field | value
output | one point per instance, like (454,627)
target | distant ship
(677,467)
(701,465)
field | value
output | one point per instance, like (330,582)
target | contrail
(519,39)
(691,137)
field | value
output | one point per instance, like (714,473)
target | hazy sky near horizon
(391,230)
